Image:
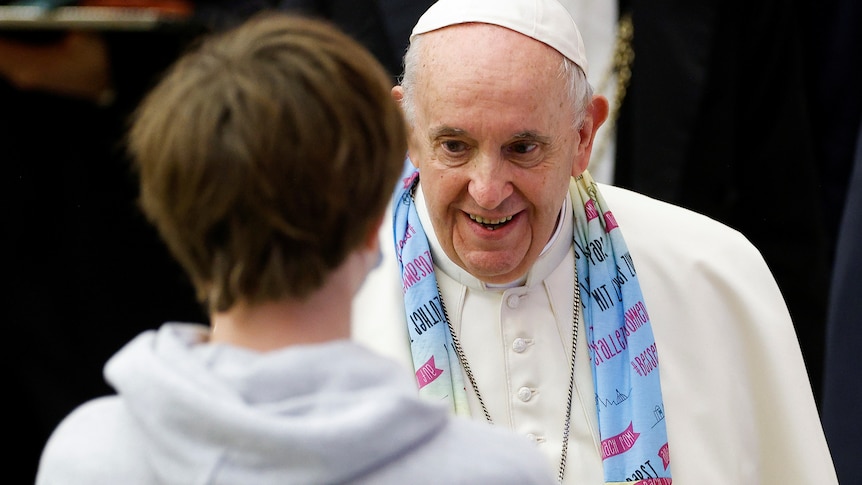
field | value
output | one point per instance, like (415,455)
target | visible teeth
(482,220)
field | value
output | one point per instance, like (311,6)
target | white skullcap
(547,21)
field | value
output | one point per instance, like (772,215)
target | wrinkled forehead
(478,75)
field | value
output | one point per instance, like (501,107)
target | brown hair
(266,155)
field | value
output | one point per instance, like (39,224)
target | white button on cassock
(524,394)
(519,345)
(513,300)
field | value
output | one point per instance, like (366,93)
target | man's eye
(522,148)
(454,146)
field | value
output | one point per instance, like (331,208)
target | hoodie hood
(312,413)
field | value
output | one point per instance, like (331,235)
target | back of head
(266,155)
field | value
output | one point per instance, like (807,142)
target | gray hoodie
(188,413)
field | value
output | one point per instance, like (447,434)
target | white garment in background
(597,23)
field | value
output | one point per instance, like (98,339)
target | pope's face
(494,139)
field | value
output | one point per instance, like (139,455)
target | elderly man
(507,286)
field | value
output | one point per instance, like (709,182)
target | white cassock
(738,404)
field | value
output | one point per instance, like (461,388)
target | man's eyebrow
(447,131)
(444,131)
(532,136)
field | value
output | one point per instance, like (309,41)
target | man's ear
(397,93)
(596,115)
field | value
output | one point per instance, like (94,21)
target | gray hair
(579,91)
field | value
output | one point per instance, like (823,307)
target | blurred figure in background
(841,390)
(836,74)
(80,251)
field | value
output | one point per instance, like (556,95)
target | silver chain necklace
(576,304)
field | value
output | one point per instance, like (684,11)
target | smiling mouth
(490,224)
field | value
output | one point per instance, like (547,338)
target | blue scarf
(622,348)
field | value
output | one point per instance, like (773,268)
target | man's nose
(490,181)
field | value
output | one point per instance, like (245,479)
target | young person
(266,158)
